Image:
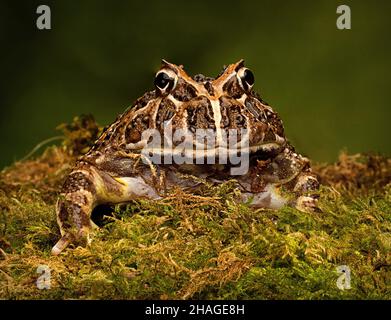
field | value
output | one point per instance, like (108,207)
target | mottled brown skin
(112,171)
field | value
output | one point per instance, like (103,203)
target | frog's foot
(306,187)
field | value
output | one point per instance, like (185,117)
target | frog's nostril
(208,86)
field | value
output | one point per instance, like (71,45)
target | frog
(123,164)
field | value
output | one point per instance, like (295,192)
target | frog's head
(223,106)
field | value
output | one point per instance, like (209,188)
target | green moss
(202,246)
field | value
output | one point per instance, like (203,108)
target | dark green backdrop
(330,86)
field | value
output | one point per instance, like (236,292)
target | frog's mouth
(201,149)
(217,155)
(236,160)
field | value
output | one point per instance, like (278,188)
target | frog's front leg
(77,200)
(84,189)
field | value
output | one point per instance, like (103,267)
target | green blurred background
(330,86)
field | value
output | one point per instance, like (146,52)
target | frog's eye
(165,81)
(246,78)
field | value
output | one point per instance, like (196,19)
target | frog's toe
(307,203)
(82,238)
(61,245)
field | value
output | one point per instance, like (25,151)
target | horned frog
(117,169)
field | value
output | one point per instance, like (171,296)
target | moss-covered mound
(198,246)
